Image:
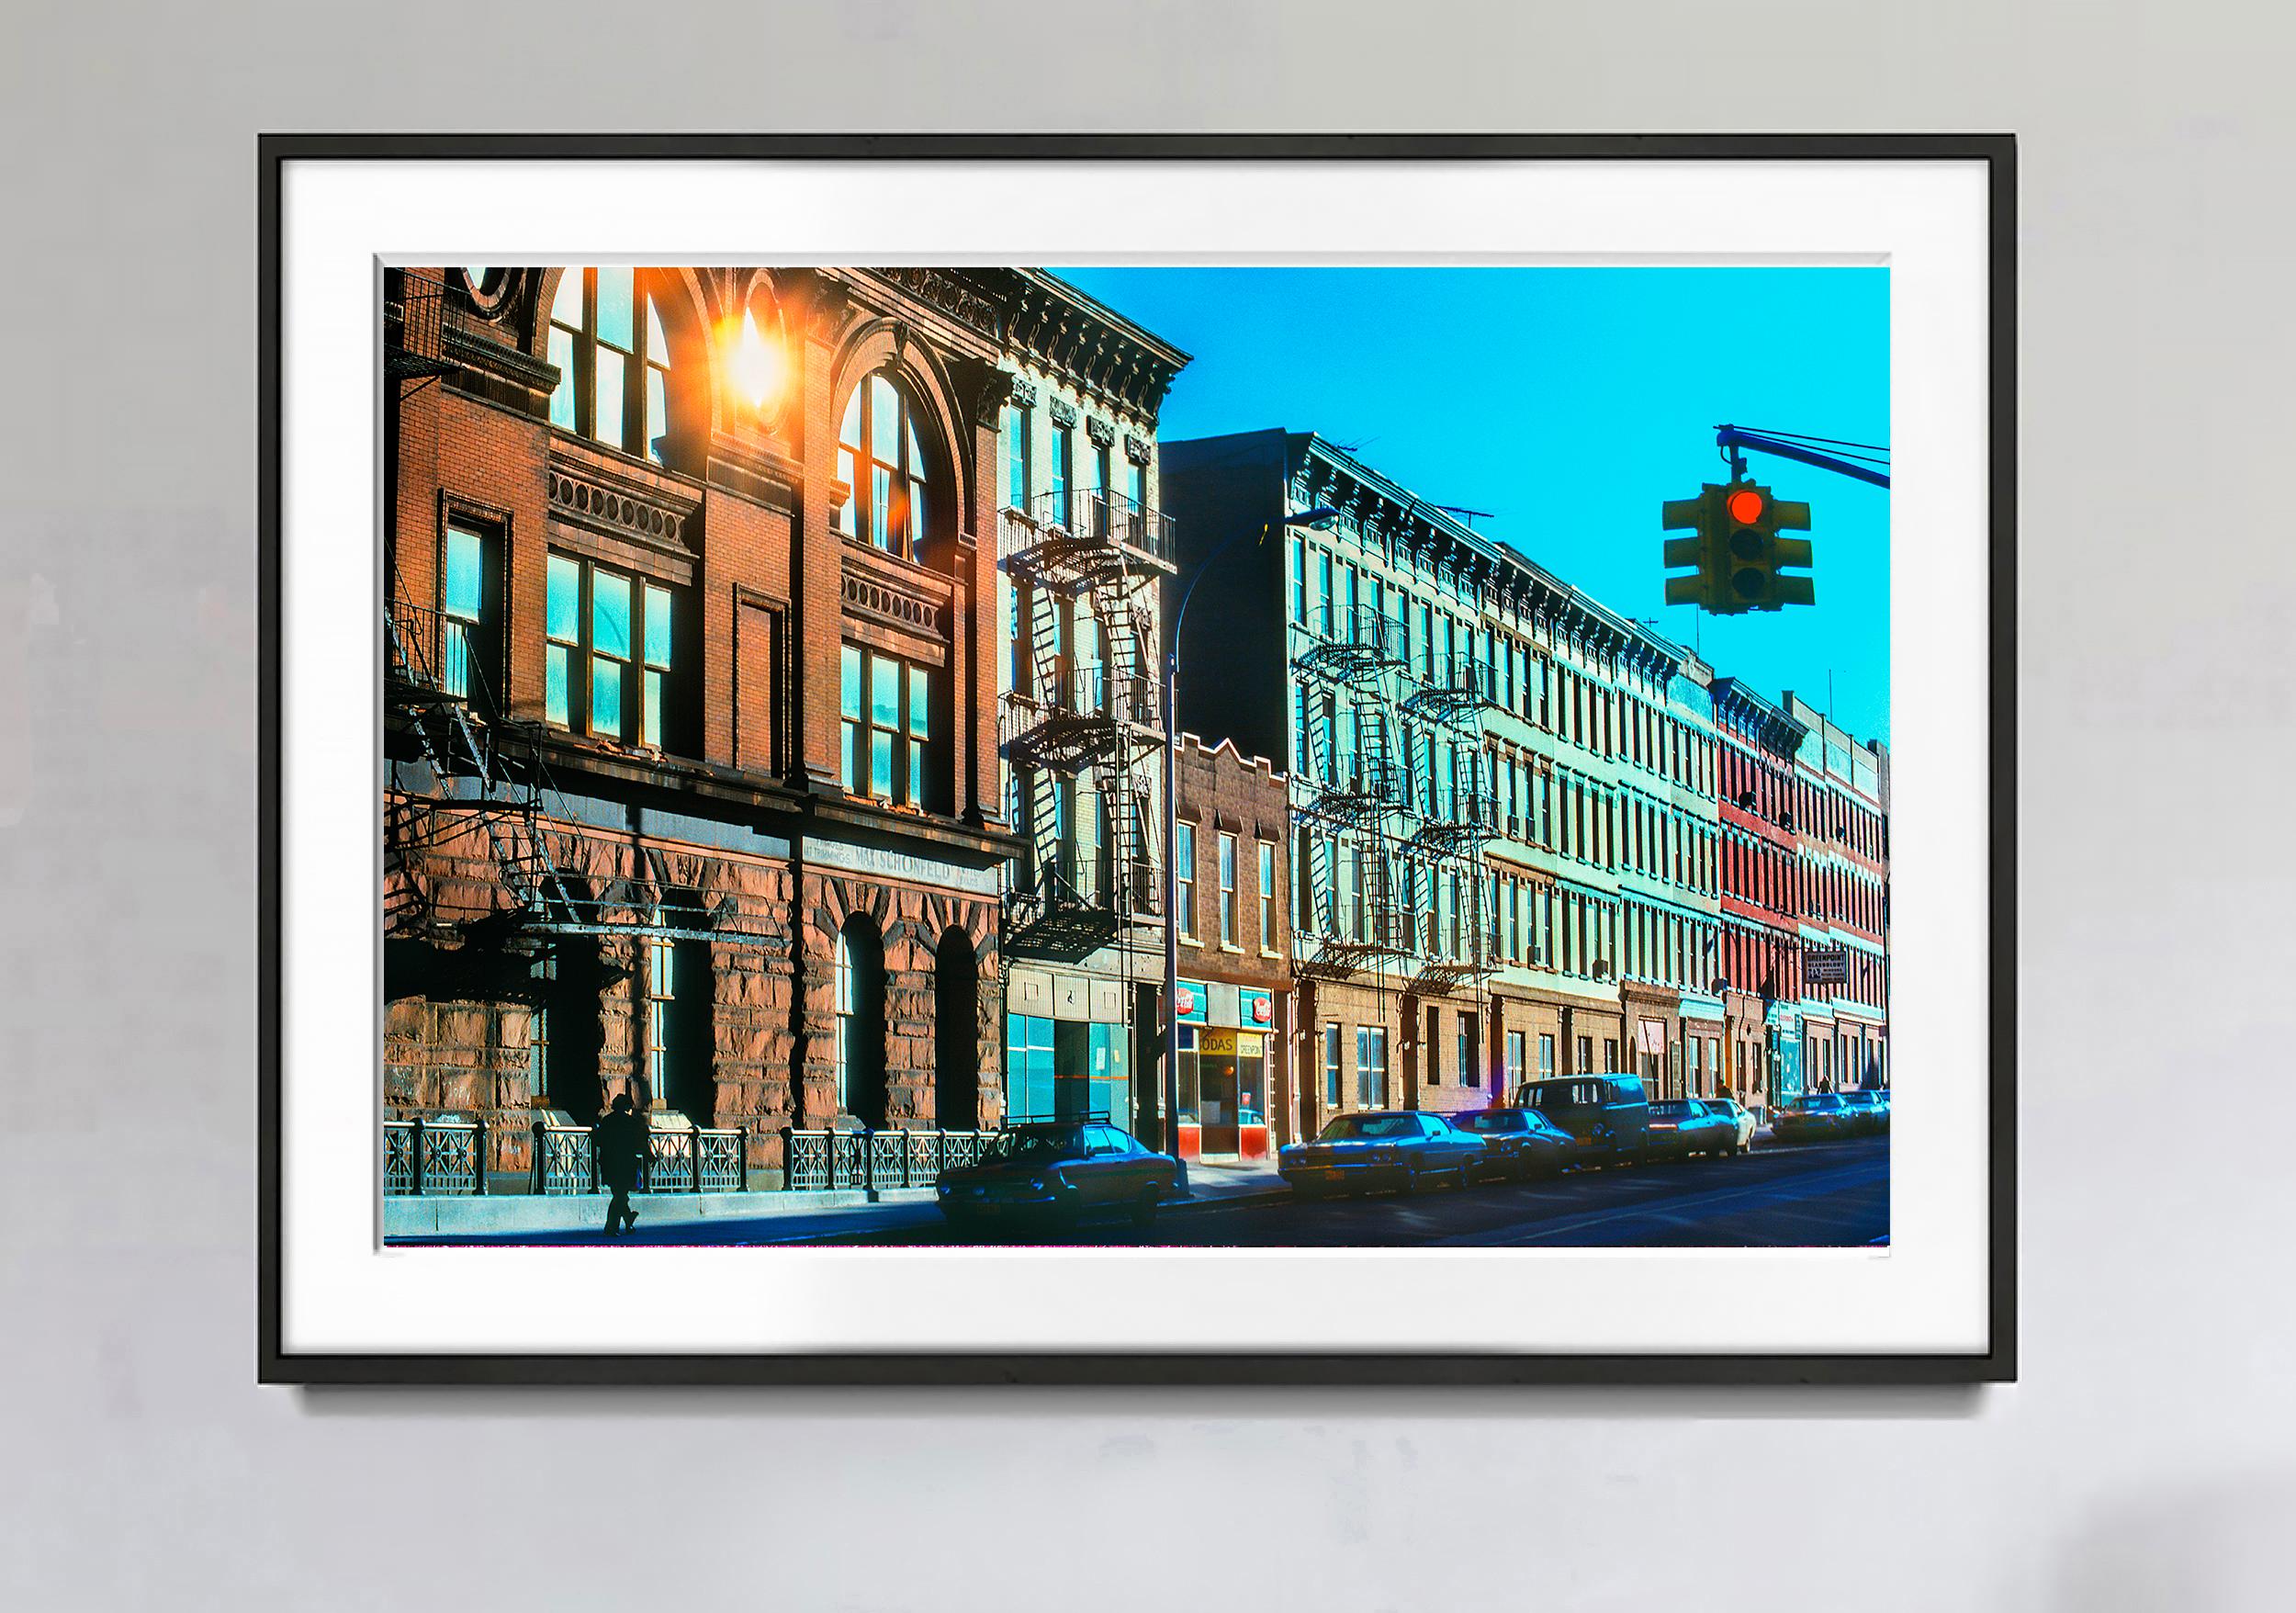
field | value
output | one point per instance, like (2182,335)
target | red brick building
(692,782)
(1761,955)
(1237,1098)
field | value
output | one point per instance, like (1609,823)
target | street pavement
(1829,1195)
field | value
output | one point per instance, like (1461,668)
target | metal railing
(820,1161)
(704,1160)
(1087,514)
(434,1158)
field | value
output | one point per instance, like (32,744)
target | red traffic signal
(1737,551)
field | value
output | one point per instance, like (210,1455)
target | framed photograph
(1138,758)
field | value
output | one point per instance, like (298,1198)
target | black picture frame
(1996,1363)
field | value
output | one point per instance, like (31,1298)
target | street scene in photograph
(1189,756)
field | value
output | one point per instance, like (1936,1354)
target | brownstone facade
(689,731)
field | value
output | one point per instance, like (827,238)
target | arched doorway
(957,1049)
(859,972)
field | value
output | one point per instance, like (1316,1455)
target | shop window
(610,655)
(613,361)
(1028,1068)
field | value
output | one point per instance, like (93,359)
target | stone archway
(957,1047)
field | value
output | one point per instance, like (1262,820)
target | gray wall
(2146,1458)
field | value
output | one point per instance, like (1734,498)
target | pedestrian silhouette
(619,1138)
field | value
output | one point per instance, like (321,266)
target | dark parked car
(1680,1127)
(1398,1148)
(1604,1115)
(1868,1109)
(1057,1173)
(1517,1143)
(1812,1117)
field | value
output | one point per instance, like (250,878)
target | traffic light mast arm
(1730,439)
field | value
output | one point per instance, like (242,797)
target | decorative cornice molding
(620,505)
(947,293)
(1137,448)
(872,590)
(1101,432)
(1024,392)
(1063,414)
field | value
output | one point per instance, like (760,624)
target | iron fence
(710,1160)
(817,1161)
(435,1157)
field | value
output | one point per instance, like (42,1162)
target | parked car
(1603,1115)
(1740,1116)
(1517,1143)
(1679,1127)
(1812,1117)
(1058,1173)
(1868,1109)
(1400,1148)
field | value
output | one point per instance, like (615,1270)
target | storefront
(1224,1071)
(1066,1048)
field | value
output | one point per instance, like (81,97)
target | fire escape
(455,762)
(1085,575)
(1450,694)
(1354,800)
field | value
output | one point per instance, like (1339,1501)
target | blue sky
(1570,402)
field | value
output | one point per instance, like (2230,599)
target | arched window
(845,1027)
(880,458)
(858,977)
(606,339)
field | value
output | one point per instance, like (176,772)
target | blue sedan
(1402,1149)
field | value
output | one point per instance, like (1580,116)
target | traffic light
(1738,553)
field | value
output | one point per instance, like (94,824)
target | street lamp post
(1315,517)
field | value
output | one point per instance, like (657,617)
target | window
(610,641)
(1332,1098)
(1135,491)
(886,710)
(1435,1047)
(1586,1054)
(1545,1053)
(880,459)
(1298,580)
(1267,896)
(1514,1060)
(1064,469)
(1227,890)
(1470,1059)
(470,621)
(1184,870)
(612,360)
(848,1027)
(661,993)
(1372,1067)
(1610,1054)
(1018,421)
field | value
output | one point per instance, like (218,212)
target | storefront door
(1218,1099)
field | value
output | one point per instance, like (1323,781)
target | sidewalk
(747,1218)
